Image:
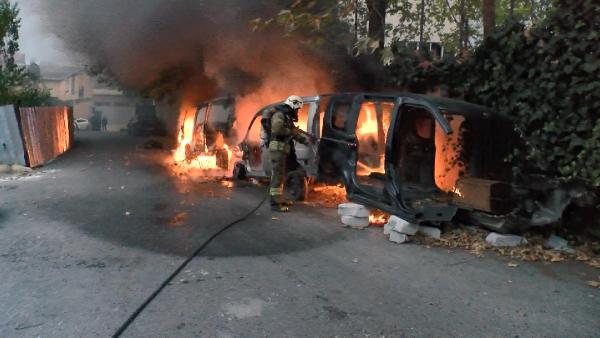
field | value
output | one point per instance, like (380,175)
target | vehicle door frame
(244,146)
(202,125)
(394,183)
(335,143)
(358,190)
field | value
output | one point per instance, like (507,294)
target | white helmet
(294,102)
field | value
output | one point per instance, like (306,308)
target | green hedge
(547,79)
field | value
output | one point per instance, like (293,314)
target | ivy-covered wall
(547,79)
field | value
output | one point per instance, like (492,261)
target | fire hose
(203,246)
(168,280)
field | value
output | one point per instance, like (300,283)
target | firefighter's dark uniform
(283,132)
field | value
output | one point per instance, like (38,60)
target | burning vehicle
(205,135)
(422,158)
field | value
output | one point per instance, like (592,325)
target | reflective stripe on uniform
(276,191)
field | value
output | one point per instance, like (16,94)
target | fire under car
(425,159)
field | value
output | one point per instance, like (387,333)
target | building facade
(88,96)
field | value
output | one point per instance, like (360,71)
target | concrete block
(4,168)
(353,209)
(430,232)
(402,226)
(496,239)
(559,244)
(19,169)
(356,222)
(387,228)
(398,238)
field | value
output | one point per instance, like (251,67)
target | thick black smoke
(190,48)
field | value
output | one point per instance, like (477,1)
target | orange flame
(378,218)
(371,135)
(202,161)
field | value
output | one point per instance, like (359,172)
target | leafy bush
(17,85)
(547,79)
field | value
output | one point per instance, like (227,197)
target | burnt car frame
(213,130)
(423,158)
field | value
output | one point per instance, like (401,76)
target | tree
(17,86)
(377,11)
(489,16)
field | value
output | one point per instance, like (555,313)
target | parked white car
(81,124)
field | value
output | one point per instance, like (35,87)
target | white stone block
(397,237)
(356,222)
(430,231)
(387,228)
(19,169)
(496,239)
(4,168)
(353,209)
(403,226)
(559,244)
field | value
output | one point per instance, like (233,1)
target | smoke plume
(188,49)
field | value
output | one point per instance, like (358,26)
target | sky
(35,41)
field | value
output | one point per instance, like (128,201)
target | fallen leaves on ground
(594,283)
(473,240)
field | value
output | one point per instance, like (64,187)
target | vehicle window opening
(198,141)
(372,127)
(340,115)
(303,116)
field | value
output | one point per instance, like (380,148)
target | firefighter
(281,134)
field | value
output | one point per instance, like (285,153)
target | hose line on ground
(141,308)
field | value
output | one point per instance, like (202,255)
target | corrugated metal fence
(47,132)
(11,143)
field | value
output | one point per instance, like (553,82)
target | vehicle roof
(216,99)
(442,103)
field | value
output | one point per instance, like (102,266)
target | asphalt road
(88,237)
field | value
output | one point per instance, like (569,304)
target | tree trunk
(377,10)
(355,21)
(462,25)
(421,25)
(489,17)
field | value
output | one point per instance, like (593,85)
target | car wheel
(296,185)
(239,172)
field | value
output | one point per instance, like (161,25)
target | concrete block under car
(353,209)
(355,222)
(559,244)
(397,237)
(402,226)
(430,232)
(496,239)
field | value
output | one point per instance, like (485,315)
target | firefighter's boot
(280,207)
